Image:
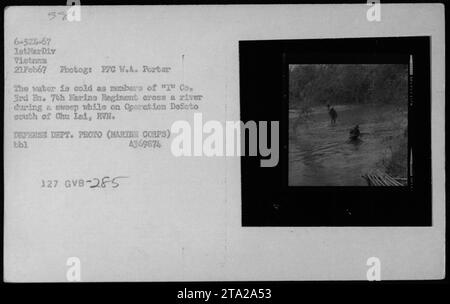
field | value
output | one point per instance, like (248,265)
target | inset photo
(348,125)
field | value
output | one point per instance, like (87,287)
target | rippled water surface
(321,154)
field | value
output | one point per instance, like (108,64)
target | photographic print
(355,131)
(348,125)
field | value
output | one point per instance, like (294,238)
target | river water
(321,154)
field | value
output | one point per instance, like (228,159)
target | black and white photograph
(348,124)
(223,152)
(355,133)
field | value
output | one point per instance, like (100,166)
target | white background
(180,218)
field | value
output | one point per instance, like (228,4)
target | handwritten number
(105,181)
(95,185)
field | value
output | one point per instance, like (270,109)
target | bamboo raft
(381,179)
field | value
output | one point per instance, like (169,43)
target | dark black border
(282,291)
(266,198)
